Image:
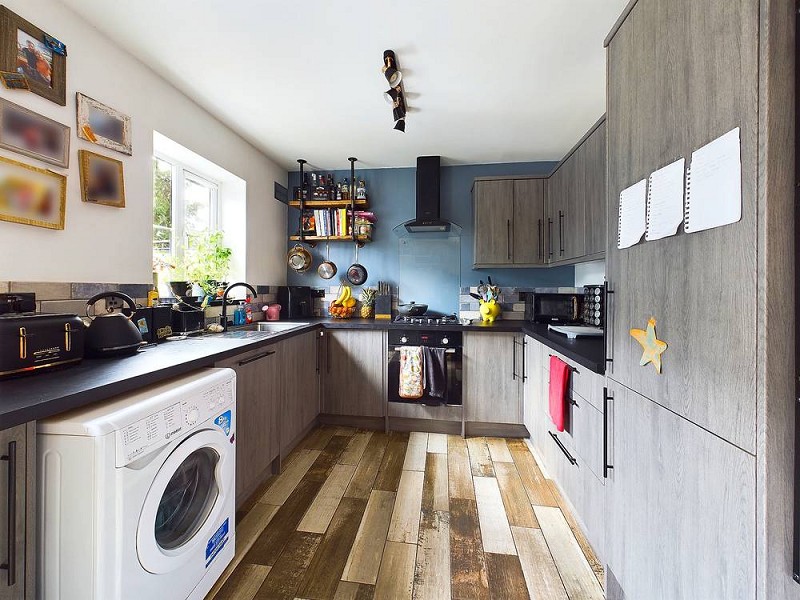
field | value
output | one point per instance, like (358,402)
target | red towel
(559,377)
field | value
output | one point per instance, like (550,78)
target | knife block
(383,307)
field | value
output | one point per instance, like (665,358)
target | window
(184,204)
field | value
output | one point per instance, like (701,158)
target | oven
(451,341)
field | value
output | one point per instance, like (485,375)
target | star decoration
(653,347)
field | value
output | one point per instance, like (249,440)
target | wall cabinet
(354,372)
(509,221)
(258,402)
(680,507)
(494,369)
(18,512)
(301,365)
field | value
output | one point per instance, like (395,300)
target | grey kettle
(113,334)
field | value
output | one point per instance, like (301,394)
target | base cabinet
(258,394)
(493,376)
(680,503)
(18,512)
(300,369)
(354,370)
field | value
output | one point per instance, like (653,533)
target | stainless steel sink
(277,327)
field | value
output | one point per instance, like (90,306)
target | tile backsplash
(512,301)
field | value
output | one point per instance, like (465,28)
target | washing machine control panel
(159,428)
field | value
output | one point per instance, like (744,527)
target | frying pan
(356,273)
(327,269)
(299,259)
(412,309)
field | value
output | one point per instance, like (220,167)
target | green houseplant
(208,260)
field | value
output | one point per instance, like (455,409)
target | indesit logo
(224,422)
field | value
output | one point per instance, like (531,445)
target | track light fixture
(394,95)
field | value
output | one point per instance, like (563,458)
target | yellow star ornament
(653,347)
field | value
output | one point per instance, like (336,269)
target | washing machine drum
(184,502)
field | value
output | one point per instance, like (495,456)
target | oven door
(454,375)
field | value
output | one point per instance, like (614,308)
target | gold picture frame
(102,179)
(31,195)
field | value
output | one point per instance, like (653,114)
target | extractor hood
(427,218)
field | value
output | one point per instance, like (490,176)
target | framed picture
(102,181)
(103,125)
(31,134)
(23,49)
(31,196)
(14,81)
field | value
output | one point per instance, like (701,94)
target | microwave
(553,308)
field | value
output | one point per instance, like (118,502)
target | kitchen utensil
(356,273)
(327,269)
(476,296)
(299,259)
(112,334)
(412,309)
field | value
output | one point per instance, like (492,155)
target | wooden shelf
(328,203)
(313,240)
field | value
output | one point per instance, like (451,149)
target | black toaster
(32,342)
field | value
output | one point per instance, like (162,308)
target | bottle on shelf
(361,190)
(345,190)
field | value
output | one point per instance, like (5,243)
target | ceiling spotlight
(400,125)
(390,71)
(391,94)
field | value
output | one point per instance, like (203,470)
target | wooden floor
(359,514)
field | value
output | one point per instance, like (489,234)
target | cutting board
(575,331)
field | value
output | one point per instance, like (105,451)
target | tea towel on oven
(412,384)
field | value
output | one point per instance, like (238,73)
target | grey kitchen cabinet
(18,512)
(570,212)
(300,402)
(702,288)
(494,216)
(354,373)
(493,377)
(680,506)
(594,194)
(258,393)
(509,227)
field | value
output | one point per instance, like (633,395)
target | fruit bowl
(341,312)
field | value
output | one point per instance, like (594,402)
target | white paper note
(632,214)
(665,201)
(714,184)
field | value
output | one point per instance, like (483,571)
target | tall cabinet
(681,514)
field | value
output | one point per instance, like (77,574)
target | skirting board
(373,423)
(510,430)
(424,425)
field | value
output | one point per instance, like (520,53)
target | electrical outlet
(114,303)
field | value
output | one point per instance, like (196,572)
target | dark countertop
(42,395)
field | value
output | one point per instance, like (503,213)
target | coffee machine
(296,302)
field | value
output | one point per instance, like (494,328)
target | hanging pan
(299,259)
(327,269)
(356,273)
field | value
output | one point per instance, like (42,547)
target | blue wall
(392,195)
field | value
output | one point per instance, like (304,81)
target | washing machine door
(183,507)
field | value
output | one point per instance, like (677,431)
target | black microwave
(553,308)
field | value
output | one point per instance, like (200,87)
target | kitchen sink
(277,327)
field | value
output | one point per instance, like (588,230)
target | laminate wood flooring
(367,515)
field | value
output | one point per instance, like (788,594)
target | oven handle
(448,351)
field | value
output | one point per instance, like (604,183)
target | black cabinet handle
(607,327)
(317,352)
(569,456)
(560,232)
(514,360)
(539,241)
(247,361)
(549,236)
(524,343)
(508,238)
(606,466)
(570,367)
(11,492)
(328,354)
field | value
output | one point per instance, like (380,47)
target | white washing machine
(137,495)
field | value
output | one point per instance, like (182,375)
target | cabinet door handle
(549,236)
(522,344)
(11,499)
(514,360)
(609,358)
(508,238)
(569,456)
(247,361)
(328,354)
(560,232)
(606,400)
(317,353)
(539,241)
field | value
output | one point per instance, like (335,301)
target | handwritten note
(632,214)
(665,201)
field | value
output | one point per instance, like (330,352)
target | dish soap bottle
(248,312)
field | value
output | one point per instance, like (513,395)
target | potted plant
(208,261)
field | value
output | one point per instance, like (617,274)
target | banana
(343,295)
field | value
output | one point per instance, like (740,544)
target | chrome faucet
(224,316)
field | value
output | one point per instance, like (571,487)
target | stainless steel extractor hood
(428,218)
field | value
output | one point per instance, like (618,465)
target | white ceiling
(486,81)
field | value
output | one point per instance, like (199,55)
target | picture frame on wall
(24,49)
(34,135)
(102,125)
(102,179)
(32,196)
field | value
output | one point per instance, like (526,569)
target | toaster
(30,342)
